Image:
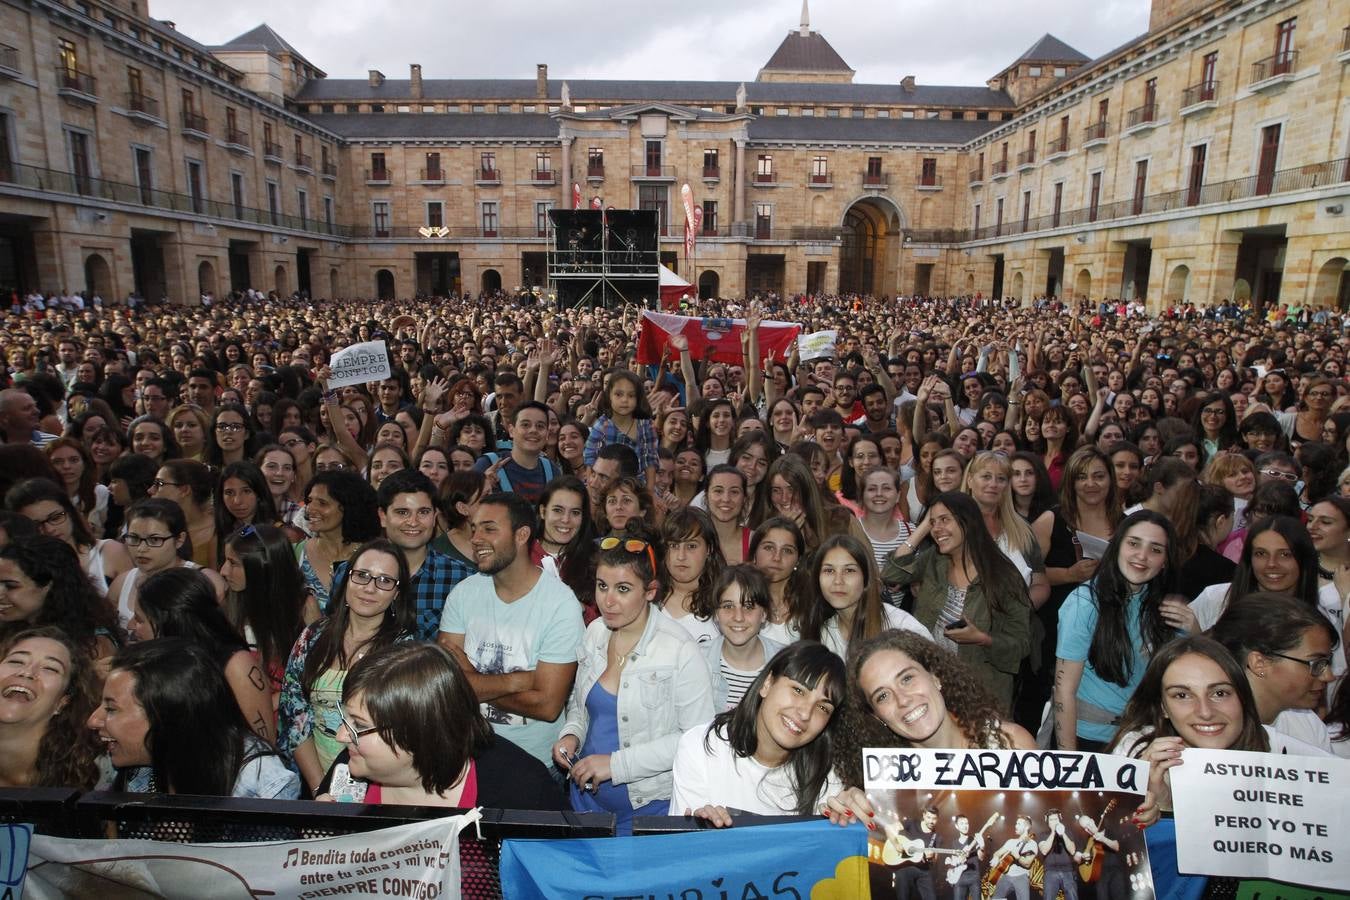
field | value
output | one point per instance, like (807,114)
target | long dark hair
(868,619)
(683,525)
(1300,544)
(794,592)
(35,490)
(1112,649)
(986,563)
(1043,497)
(359,502)
(400,619)
(576,557)
(1146,717)
(1268,624)
(808,663)
(71,603)
(272,601)
(68,750)
(849,485)
(197,738)
(266,511)
(181,603)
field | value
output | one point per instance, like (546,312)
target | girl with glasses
(641,682)
(190,485)
(55,515)
(412,734)
(372,608)
(157,538)
(231,438)
(1215,422)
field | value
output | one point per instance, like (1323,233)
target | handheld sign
(359,363)
(817,345)
(1263,815)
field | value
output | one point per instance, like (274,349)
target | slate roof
(588,91)
(1050,49)
(262,38)
(161,26)
(882,131)
(808,52)
(455,126)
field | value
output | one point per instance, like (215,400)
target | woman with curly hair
(43,583)
(48,688)
(905,691)
(342,512)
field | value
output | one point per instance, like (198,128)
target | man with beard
(514,629)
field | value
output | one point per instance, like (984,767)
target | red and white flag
(687,198)
(722,335)
(576,195)
(688,241)
(597,203)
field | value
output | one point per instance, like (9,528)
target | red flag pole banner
(673,287)
(687,198)
(576,195)
(597,203)
(689,247)
(693,241)
(722,335)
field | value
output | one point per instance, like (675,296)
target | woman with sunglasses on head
(372,607)
(771,754)
(413,735)
(641,682)
(55,515)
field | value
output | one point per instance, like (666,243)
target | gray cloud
(938,41)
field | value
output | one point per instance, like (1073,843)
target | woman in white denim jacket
(641,682)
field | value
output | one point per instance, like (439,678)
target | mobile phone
(959,623)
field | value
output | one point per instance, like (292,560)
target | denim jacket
(712,652)
(663,691)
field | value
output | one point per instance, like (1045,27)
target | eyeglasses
(1317,666)
(154,540)
(161,483)
(1277,473)
(1212,412)
(330,467)
(631,545)
(53,520)
(356,733)
(382,582)
(229,426)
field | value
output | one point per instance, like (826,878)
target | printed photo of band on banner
(974,825)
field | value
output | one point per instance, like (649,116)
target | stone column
(566,171)
(740,181)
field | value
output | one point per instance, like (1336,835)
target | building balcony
(143,108)
(1199,97)
(1273,70)
(273,153)
(712,173)
(930,182)
(820,180)
(195,126)
(377,176)
(9,61)
(1057,148)
(303,163)
(433,175)
(976,177)
(652,173)
(543,176)
(237,140)
(876,180)
(1026,160)
(488,176)
(999,169)
(595,173)
(80,87)
(1095,135)
(1141,118)
(766,179)
(329,171)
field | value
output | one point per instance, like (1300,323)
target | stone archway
(206,278)
(491,281)
(1082,285)
(869,251)
(1178,285)
(970,284)
(1331,288)
(384,284)
(279,283)
(708,284)
(97,276)
(1018,282)
(1242,290)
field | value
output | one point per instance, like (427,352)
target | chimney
(541,81)
(415,77)
(907,84)
(376,78)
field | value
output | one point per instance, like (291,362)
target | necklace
(622,658)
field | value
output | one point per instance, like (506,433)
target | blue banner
(797,861)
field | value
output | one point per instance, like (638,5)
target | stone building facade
(1204,159)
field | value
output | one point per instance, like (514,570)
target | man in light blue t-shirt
(514,630)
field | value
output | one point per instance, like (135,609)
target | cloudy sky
(939,41)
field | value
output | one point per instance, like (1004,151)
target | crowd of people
(526,571)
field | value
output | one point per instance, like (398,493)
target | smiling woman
(47,690)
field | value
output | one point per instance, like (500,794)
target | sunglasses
(630,545)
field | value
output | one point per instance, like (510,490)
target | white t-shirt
(1210,603)
(1304,726)
(1279,743)
(544,626)
(716,775)
(702,631)
(895,618)
(783,632)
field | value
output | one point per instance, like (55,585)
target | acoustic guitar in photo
(900,850)
(961,859)
(1090,868)
(1003,860)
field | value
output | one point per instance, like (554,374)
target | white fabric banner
(359,363)
(817,345)
(420,861)
(1263,815)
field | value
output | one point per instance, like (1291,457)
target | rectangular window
(808,111)
(595,162)
(1195,179)
(487,165)
(302,206)
(977,220)
(764,167)
(1034,71)
(653,157)
(1270,152)
(503,107)
(274,202)
(1140,185)
(711,168)
(856,112)
(1150,100)
(998,217)
(781,111)
(543,163)
(541,222)
(1059,204)
(435,213)
(1026,209)
(1284,39)
(928,176)
(328,213)
(820,169)
(710,218)
(873,167)
(81,164)
(70,59)
(883,114)
(1094,196)
(656,197)
(378,170)
(237,193)
(433,170)
(135,85)
(763,221)
(379,212)
(832,112)
(145,176)
(489,218)
(1208,73)
(1103,107)
(194,179)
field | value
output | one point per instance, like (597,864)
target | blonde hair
(1015,528)
(1226,465)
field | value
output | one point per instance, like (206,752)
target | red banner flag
(597,203)
(688,242)
(576,195)
(722,335)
